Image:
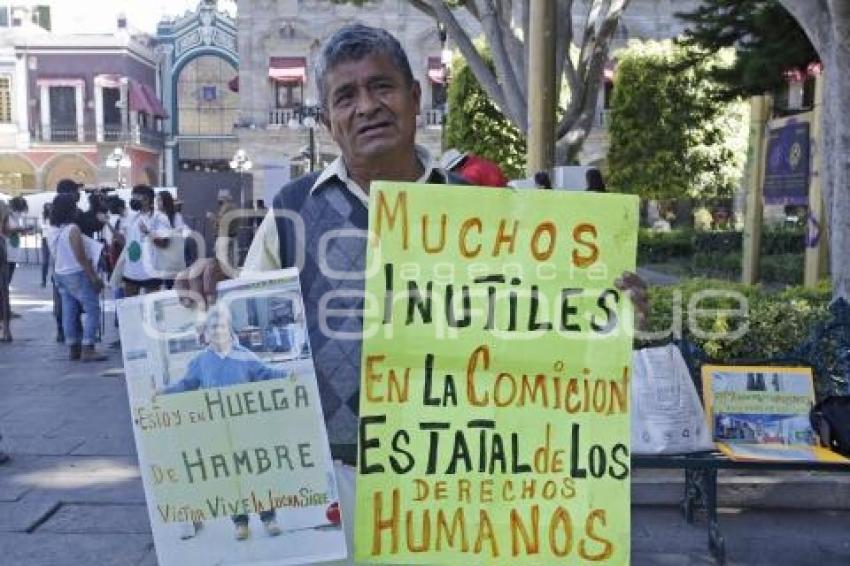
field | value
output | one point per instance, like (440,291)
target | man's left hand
(635,288)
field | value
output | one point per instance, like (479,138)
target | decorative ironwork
(701,494)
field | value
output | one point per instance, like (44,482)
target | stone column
(98,111)
(166,88)
(44,92)
(21,97)
(79,101)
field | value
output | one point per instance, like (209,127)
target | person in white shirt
(142,234)
(15,228)
(171,257)
(76,278)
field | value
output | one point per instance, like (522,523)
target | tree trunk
(836,133)
(827,24)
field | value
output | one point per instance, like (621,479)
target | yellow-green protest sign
(494,423)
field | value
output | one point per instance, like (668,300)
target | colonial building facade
(279,41)
(198,73)
(68,101)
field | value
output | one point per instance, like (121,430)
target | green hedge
(776,322)
(658,247)
(786,268)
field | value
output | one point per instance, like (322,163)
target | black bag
(831,420)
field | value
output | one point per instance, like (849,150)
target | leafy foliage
(476,125)
(767,39)
(776,323)
(670,136)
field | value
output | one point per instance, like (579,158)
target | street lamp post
(446,64)
(307,116)
(241,164)
(119,160)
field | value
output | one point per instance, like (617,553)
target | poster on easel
(762,413)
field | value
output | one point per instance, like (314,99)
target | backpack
(831,420)
(115,248)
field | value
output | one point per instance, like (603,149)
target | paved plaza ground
(72,494)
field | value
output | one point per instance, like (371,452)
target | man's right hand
(196,284)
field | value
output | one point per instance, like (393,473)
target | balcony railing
(433,118)
(280,117)
(146,136)
(63,134)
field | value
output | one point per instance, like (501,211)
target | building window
(111,113)
(608,95)
(41,16)
(5,100)
(63,113)
(289,95)
(4,16)
(438,96)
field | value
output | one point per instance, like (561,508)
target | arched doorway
(207,109)
(68,166)
(17,175)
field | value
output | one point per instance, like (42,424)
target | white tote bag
(667,416)
(169,261)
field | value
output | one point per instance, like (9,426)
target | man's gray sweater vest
(332,284)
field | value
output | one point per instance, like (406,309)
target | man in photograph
(221,364)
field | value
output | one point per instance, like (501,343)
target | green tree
(759,28)
(827,25)
(767,39)
(670,135)
(475,124)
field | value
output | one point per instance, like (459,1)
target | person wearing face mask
(140,237)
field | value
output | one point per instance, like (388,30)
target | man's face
(220,337)
(370,109)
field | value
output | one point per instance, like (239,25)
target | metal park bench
(827,352)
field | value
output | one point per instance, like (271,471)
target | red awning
(435,70)
(289,70)
(144,99)
(233,84)
(138,100)
(157,110)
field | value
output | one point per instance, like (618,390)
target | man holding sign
(319,222)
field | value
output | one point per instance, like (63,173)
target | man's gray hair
(354,42)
